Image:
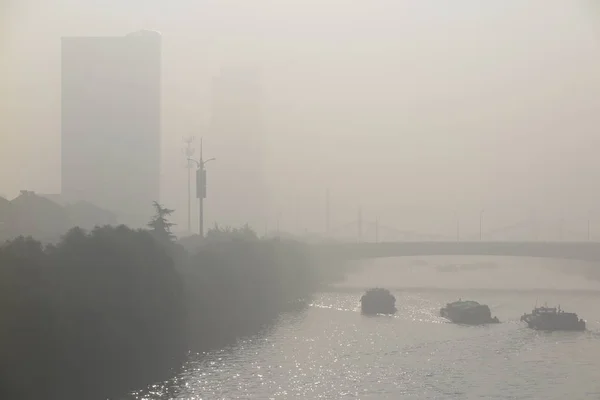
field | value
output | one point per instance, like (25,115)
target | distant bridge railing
(375,231)
(585,251)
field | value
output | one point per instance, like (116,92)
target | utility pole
(588,226)
(480,224)
(377,230)
(201,187)
(189,153)
(457,228)
(297,229)
(327,232)
(360,224)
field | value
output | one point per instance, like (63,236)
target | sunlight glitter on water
(331,351)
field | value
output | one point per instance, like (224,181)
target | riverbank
(103,313)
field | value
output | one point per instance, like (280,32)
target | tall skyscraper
(111,123)
(237,192)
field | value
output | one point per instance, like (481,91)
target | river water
(330,351)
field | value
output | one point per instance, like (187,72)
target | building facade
(111,123)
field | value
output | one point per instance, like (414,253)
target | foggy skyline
(111,126)
(414,110)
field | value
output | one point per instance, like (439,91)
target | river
(330,351)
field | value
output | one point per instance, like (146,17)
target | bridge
(583,251)
(362,230)
(363,239)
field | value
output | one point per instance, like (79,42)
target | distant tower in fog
(111,100)
(238,189)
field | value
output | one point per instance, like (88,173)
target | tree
(226,234)
(107,303)
(160,225)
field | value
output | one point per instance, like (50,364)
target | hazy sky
(414,109)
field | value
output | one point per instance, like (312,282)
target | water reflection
(207,363)
(328,350)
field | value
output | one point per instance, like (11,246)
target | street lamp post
(201,187)
(278,228)
(360,224)
(480,224)
(588,225)
(457,228)
(327,213)
(189,152)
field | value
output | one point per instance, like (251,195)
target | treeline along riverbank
(105,312)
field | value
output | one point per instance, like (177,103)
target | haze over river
(331,351)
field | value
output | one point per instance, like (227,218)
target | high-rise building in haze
(237,192)
(111,123)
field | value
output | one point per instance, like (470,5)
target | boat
(378,301)
(553,319)
(468,312)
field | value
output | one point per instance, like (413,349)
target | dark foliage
(236,287)
(160,225)
(102,313)
(227,234)
(91,316)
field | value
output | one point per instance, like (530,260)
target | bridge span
(584,251)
